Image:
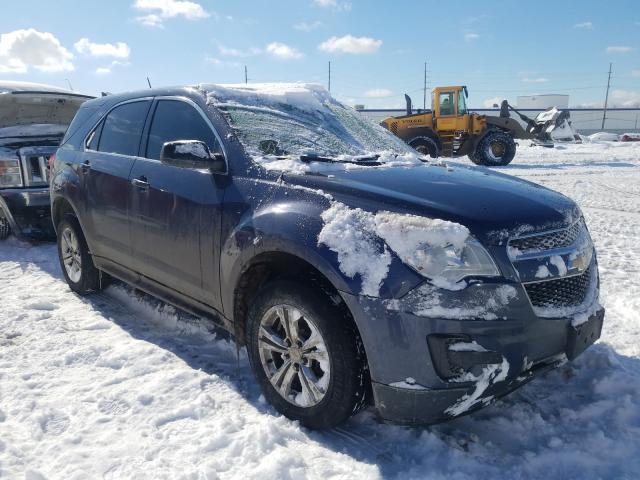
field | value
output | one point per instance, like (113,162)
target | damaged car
(33,120)
(355,271)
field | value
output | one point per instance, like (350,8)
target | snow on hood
(363,241)
(350,233)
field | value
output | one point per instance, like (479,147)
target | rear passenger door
(175,211)
(110,152)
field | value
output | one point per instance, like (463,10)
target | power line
(606,98)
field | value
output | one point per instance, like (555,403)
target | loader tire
(496,149)
(424,145)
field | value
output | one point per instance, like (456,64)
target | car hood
(492,205)
(22,107)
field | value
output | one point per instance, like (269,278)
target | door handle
(141,183)
(85,166)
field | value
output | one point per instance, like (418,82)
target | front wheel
(76,262)
(495,149)
(425,146)
(305,355)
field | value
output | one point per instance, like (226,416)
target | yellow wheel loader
(450,130)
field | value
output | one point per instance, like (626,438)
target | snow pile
(491,374)
(350,233)
(422,243)
(603,137)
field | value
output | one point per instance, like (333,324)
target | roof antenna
(69,83)
(149,82)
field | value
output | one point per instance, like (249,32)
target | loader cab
(450,108)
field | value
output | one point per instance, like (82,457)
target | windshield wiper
(371,160)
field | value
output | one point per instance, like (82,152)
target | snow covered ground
(121,386)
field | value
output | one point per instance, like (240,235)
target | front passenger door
(175,212)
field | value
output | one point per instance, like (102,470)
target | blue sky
(499,48)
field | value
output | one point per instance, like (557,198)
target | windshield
(304,120)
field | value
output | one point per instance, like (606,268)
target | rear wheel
(5,228)
(76,262)
(496,149)
(425,146)
(305,355)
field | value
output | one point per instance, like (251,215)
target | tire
(495,149)
(473,158)
(334,370)
(5,228)
(425,146)
(75,260)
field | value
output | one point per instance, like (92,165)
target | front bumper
(407,378)
(28,211)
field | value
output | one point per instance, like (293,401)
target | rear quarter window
(82,121)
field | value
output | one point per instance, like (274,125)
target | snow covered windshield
(300,119)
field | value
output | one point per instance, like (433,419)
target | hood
(493,206)
(27,104)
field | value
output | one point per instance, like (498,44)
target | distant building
(358,106)
(543,102)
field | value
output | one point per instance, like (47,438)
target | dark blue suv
(354,270)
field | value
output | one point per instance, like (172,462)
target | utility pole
(424,97)
(246,79)
(606,98)
(329,75)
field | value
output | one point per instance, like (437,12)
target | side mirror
(191,154)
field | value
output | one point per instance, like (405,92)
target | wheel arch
(269,265)
(60,207)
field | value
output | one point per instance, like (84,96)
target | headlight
(446,266)
(10,173)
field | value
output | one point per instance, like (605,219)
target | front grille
(562,292)
(549,241)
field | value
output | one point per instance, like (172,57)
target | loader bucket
(554,125)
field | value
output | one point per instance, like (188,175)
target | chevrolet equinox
(354,270)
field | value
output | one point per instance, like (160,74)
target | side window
(462,106)
(446,103)
(176,120)
(122,128)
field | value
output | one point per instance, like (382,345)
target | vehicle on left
(33,120)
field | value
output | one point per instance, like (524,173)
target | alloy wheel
(71,257)
(294,355)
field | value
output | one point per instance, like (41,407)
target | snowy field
(120,386)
